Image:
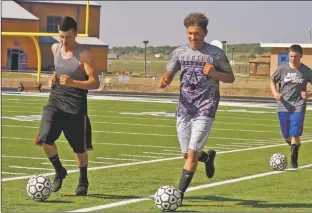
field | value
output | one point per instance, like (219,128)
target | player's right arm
(173,67)
(276,78)
(52,80)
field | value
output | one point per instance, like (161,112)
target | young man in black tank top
(66,109)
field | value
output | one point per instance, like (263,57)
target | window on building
(52,23)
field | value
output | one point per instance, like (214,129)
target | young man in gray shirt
(201,66)
(293,78)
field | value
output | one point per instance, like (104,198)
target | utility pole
(145,42)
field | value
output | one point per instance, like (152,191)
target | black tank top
(69,99)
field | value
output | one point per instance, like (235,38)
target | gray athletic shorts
(193,132)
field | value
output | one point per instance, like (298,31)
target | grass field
(137,153)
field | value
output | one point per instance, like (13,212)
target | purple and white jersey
(199,94)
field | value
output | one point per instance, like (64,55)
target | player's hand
(305,95)
(209,70)
(162,83)
(278,96)
(66,80)
(52,81)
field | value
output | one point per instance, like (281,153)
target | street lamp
(226,47)
(233,55)
(145,42)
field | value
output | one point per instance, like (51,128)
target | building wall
(99,55)
(19,42)
(75,11)
(47,61)
(306,58)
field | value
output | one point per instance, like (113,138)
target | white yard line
(30,168)
(142,156)
(14,173)
(37,158)
(161,153)
(147,162)
(152,134)
(118,159)
(99,142)
(194,188)
(72,165)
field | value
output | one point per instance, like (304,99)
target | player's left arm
(93,82)
(307,94)
(222,70)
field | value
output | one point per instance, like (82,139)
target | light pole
(145,42)
(233,55)
(226,47)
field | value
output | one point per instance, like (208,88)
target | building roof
(90,41)
(305,42)
(12,10)
(92,3)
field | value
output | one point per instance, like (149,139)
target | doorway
(13,58)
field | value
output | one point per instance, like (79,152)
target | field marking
(194,188)
(152,134)
(167,150)
(148,162)
(47,163)
(30,168)
(173,119)
(143,156)
(151,99)
(120,159)
(36,158)
(102,143)
(14,173)
(231,145)
(160,153)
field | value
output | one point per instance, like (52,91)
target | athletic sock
(185,180)
(55,160)
(83,174)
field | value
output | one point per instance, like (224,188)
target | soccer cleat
(210,169)
(82,189)
(58,180)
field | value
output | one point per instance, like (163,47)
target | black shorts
(76,129)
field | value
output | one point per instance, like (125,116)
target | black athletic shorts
(76,129)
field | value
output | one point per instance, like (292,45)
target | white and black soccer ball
(39,188)
(278,161)
(167,198)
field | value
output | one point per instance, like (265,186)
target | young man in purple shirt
(201,66)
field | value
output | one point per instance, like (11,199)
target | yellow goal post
(33,35)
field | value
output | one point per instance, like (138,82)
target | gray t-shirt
(293,81)
(199,94)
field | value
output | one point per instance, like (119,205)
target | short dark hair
(198,19)
(296,48)
(67,23)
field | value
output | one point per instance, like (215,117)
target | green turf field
(134,154)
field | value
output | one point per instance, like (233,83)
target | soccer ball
(167,198)
(278,162)
(39,188)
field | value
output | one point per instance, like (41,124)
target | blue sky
(161,23)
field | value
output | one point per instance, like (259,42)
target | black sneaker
(58,179)
(210,169)
(82,189)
